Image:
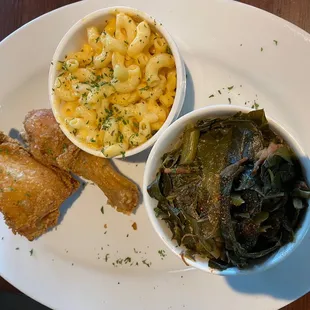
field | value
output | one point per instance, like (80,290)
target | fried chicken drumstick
(30,193)
(51,147)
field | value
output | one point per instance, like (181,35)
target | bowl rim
(150,171)
(180,68)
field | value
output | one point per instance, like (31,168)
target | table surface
(15,13)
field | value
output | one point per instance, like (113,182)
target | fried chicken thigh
(30,193)
(50,146)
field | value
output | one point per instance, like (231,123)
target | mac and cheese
(117,91)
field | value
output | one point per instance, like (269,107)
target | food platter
(223,44)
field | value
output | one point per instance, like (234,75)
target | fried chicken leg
(51,147)
(30,193)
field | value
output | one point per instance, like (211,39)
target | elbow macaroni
(117,91)
(141,40)
(157,62)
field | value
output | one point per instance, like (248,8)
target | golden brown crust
(122,193)
(30,193)
(50,146)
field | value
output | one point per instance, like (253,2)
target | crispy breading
(49,145)
(30,193)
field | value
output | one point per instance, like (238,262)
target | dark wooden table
(15,13)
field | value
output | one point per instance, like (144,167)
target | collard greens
(231,190)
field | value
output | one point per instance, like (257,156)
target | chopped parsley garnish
(92,140)
(162,253)
(102,210)
(219,92)
(275,42)
(64,67)
(261,49)
(123,154)
(146,263)
(229,100)
(97,39)
(31,252)
(109,113)
(144,88)
(255,105)
(127,260)
(119,261)
(64,147)
(168,50)
(211,96)
(102,151)
(121,137)
(230,87)
(106,124)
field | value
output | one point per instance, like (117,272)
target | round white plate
(224,44)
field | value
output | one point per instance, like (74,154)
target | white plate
(221,44)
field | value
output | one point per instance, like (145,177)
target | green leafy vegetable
(190,143)
(231,190)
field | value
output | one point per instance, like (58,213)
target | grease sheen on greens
(231,190)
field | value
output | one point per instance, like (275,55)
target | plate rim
(7,39)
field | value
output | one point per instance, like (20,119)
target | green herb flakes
(168,50)
(162,254)
(255,105)
(148,264)
(127,260)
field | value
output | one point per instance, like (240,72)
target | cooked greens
(231,190)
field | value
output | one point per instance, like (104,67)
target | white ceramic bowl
(74,39)
(165,143)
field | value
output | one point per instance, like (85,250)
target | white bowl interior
(164,144)
(76,37)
